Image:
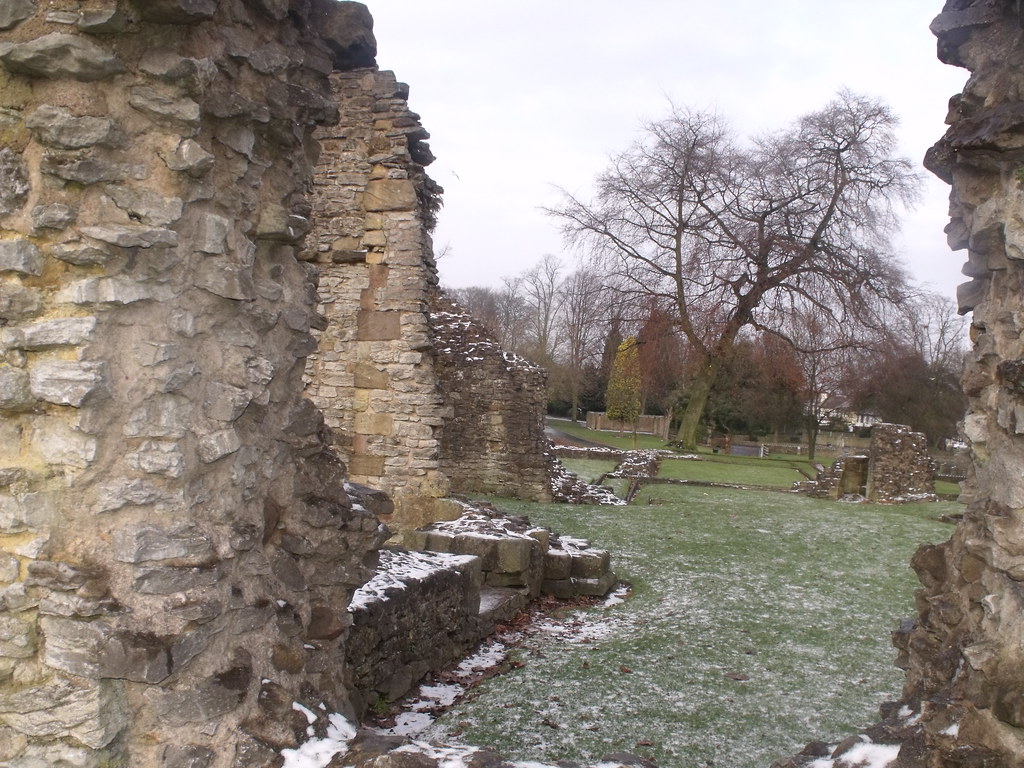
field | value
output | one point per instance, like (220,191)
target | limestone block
(26,512)
(190,157)
(54,216)
(83,167)
(64,382)
(132,235)
(158,458)
(378,326)
(93,649)
(169,580)
(13,12)
(78,253)
(222,278)
(66,331)
(15,391)
(14,181)
(514,554)
(20,255)
(211,233)
(9,568)
(164,415)
(219,444)
(483,547)
(18,303)
(176,11)
(224,402)
(62,445)
(59,55)
(102,21)
(17,638)
(104,290)
(145,205)
(591,563)
(186,543)
(165,107)
(557,565)
(187,756)
(57,127)
(93,713)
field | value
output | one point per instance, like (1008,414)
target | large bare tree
(735,236)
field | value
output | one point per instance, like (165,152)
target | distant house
(835,410)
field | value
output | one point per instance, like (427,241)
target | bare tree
(540,293)
(734,236)
(581,303)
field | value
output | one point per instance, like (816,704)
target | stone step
(498,605)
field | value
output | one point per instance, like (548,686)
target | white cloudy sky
(524,97)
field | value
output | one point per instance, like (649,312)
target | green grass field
(759,621)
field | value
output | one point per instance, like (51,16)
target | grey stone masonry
(177,547)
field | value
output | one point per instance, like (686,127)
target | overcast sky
(524,97)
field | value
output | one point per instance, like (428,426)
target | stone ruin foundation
(897,468)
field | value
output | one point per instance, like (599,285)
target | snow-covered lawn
(758,622)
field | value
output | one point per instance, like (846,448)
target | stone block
(64,382)
(211,233)
(373,423)
(14,181)
(557,565)
(168,580)
(57,127)
(591,563)
(65,331)
(224,402)
(93,649)
(15,390)
(158,458)
(18,303)
(389,195)
(514,554)
(13,12)
(186,543)
(17,638)
(373,325)
(219,444)
(189,157)
(483,547)
(132,235)
(54,216)
(26,512)
(9,568)
(369,376)
(20,255)
(92,713)
(366,466)
(58,56)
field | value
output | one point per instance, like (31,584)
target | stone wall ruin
(176,546)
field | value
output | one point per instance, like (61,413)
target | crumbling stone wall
(965,654)
(373,376)
(176,547)
(899,467)
(494,441)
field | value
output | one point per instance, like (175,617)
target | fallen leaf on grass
(737,676)
(625,670)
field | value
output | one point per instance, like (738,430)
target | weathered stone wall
(899,467)
(418,615)
(176,548)
(373,375)
(965,654)
(494,441)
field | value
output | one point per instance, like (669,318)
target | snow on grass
(317,753)
(797,595)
